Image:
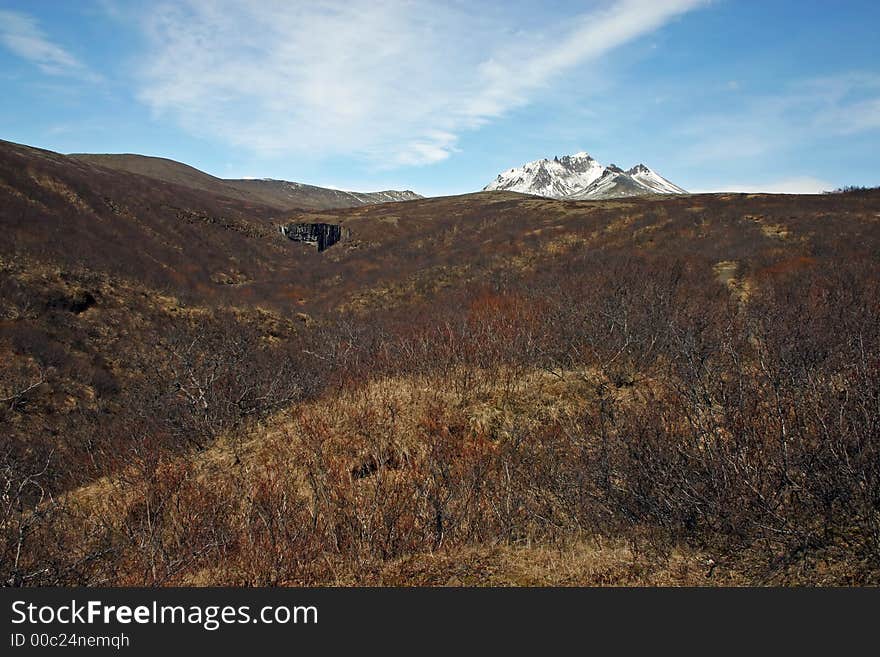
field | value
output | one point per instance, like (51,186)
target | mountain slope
(616,183)
(653,180)
(287,195)
(556,178)
(279,194)
(65,211)
(581,177)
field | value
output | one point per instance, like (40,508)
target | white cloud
(852,119)
(800,112)
(794,185)
(391,82)
(21,35)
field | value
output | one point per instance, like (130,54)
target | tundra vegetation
(488,389)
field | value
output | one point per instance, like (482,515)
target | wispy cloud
(795,185)
(391,82)
(799,113)
(21,34)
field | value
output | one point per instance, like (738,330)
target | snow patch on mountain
(651,179)
(580,176)
(556,178)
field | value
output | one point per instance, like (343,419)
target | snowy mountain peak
(639,168)
(556,178)
(580,176)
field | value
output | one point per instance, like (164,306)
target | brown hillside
(481,389)
(279,194)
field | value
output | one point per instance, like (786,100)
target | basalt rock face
(322,235)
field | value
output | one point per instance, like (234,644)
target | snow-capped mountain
(556,178)
(649,178)
(580,176)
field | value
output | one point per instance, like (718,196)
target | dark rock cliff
(323,235)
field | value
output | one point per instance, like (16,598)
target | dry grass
(525,391)
(583,563)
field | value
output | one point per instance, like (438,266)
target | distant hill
(281,194)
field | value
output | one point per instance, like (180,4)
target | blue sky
(439,97)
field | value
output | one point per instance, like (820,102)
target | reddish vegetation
(483,389)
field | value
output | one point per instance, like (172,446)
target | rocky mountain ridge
(581,177)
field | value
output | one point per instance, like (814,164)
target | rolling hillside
(279,194)
(490,388)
